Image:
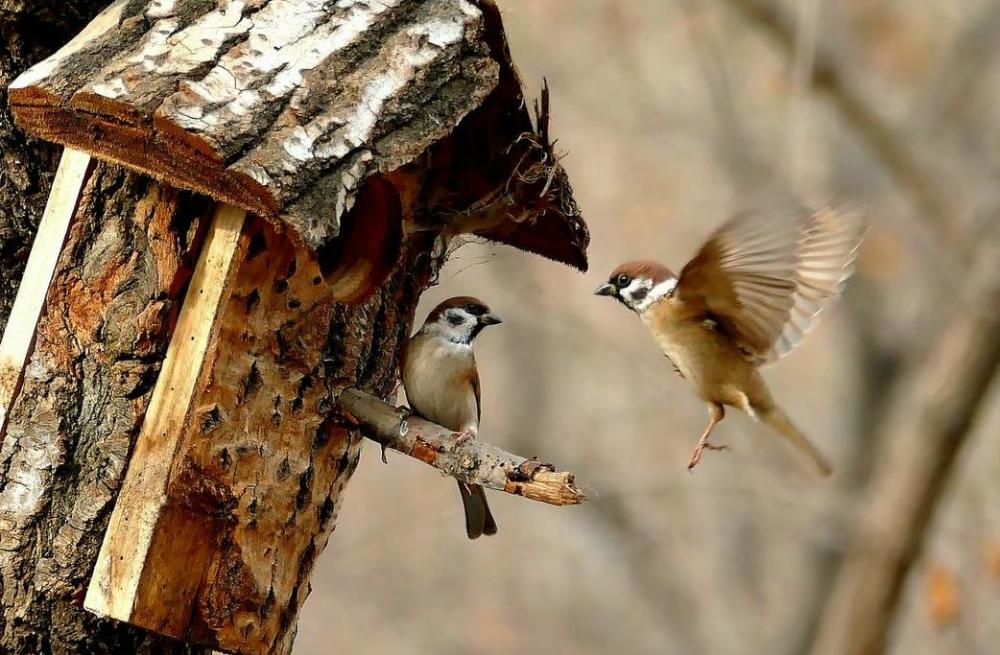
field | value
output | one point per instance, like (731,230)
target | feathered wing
(766,277)
(476,391)
(478,517)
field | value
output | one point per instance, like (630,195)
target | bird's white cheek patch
(657,292)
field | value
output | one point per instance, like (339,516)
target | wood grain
(19,334)
(118,574)
(282,108)
(469,460)
(287,108)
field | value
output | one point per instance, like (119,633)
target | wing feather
(476,391)
(766,277)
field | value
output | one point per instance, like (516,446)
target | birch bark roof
(283,107)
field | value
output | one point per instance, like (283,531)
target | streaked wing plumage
(476,390)
(766,277)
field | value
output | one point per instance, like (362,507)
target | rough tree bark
(73,425)
(33,619)
(110,312)
(29,32)
(263,448)
(470,460)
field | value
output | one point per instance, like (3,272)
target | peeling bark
(29,31)
(83,397)
(264,468)
(369,144)
(286,108)
(108,318)
(469,460)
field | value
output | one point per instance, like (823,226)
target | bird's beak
(606,289)
(489,318)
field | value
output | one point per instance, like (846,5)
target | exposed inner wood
(100,342)
(286,108)
(273,106)
(256,490)
(216,528)
(20,330)
(117,583)
(469,460)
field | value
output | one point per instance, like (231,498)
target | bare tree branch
(948,389)
(469,460)
(885,144)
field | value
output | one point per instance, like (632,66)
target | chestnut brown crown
(638,284)
(460,319)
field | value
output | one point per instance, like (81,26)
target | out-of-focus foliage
(675,114)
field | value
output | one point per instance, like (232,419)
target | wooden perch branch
(471,461)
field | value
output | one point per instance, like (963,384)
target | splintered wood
(282,108)
(234,484)
(15,347)
(470,460)
(120,582)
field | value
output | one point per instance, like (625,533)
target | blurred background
(674,114)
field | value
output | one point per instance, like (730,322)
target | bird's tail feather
(478,518)
(780,423)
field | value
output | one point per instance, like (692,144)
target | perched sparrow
(746,299)
(442,385)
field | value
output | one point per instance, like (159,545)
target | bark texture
(382,181)
(469,460)
(285,108)
(257,493)
(45,552)
(97,352)
(29,32)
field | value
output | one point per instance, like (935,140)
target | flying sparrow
(746,299)
(442,385)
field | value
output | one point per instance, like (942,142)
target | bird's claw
(384,459)
(462,437)
(699,449)
(402,413)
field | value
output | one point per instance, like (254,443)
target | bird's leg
(463,436)
(715,413)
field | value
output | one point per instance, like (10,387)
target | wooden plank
(142,503)
(206,98)
(19,335)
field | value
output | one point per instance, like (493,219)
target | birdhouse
(252,196)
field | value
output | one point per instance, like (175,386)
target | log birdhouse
(298,168)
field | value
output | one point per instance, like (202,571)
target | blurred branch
(961,74)
(661,591)
(748,172)
(469,460)
(913,469)
(888,147)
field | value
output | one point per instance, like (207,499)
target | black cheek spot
(455,320)
(639,295)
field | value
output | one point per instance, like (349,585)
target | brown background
(675,114)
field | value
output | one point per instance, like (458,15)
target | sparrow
(442,385)
(754,289)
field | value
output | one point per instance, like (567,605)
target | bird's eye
(623,281)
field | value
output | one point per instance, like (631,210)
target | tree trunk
(107,320)
(29,32)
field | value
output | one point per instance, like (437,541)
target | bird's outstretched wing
(766,277)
